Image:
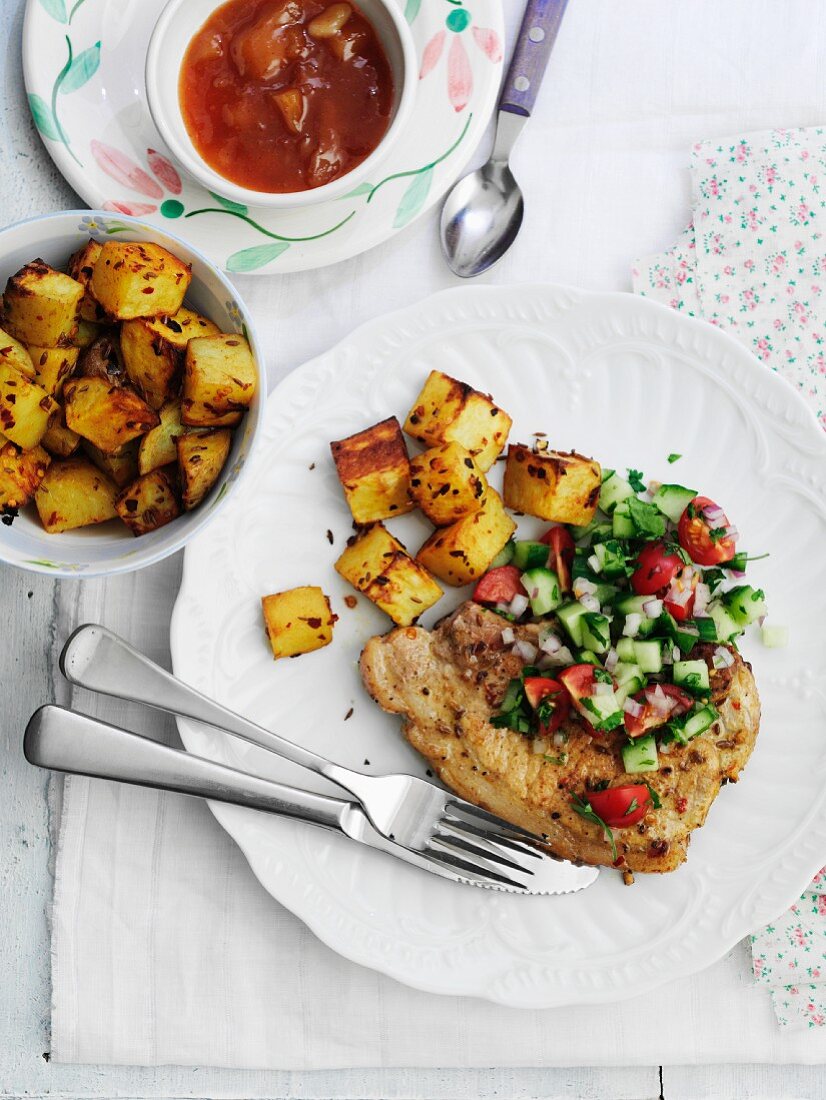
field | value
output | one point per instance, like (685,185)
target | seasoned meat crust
(445,683)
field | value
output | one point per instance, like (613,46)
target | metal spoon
(483,212)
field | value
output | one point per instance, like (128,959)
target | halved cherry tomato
(681,611)
(561,555)
(580,681)
(656,569)
(651,717)
(704,541)
(499,585)
(621,806)
(538,688)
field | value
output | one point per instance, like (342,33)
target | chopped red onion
(714,514)
(732,533)
(654,487)
(518,605)
(738,574)
(633,707)
(611,660)
(584,587)
(546,661)
(508,636)
(594,564)
(525,650)
(560,739)
(761,620)
(590,603)
(659,700)
(666,747)
(653,608)
(632,625)
(540,745)
(679,596)
(548,642)
(564,656)
(702,596)
(722,658)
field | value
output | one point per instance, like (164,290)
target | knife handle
(65,741)
(534,43)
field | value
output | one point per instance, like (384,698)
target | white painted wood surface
(37,614)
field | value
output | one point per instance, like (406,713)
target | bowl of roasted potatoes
(131,392)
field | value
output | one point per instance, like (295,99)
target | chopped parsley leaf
(655,798)
(672,458)
(717,534)
(561,759)
(636,481)
(648,520)
(585,810)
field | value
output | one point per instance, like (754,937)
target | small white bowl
(182,19)
(109,548)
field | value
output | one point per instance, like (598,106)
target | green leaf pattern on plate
(56,9)
(83,68)
(250,259)
(413,199)
(228,204)
(43,118)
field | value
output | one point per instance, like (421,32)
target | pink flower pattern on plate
(124,171)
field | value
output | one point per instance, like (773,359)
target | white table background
(630,87)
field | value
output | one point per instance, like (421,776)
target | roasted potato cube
(52,366)
(379,566)
(41,305)
(81,265)
(122,467)
(157,448)
(450,411)
(404,590)
(201,458)
(367,555)
(138,279)
(447,484)
(20,474)
(106,415)
(148,503)
(14,354)
(153,350)
(25,408)
(461,553)
(60,441)
(87,333)
(298,621)
(74,494)
(219,379)
(374,471)
(563,488)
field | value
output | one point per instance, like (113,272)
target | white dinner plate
(613,376)
(83,63)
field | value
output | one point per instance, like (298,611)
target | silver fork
(66,741)
(404,809)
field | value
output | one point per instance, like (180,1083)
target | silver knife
(66,741)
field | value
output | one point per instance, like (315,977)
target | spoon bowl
(481,218)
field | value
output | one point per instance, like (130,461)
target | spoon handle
(534,43)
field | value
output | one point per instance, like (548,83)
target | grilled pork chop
(446,683)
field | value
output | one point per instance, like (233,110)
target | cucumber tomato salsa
(621,605)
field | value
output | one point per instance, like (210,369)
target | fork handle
(96,659)
(69,742)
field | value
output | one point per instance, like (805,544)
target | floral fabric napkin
(753,261)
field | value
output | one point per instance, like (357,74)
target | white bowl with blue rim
(110,548)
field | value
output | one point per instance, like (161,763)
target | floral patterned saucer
(83,65)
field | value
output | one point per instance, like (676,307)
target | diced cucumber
(672,500)
(745,604)
(693,676)
(542,586)
(611,559)
(706,630)
(571,615)
(632,605)
(775,637)
(614,490)
(587,657)
(596,632)
(528,555)
(699,721)
(640,755)
(604,711)
(621,525)
(505,555)
(649,656)
(630,678)
(605,593)
(589,528)
(685,635)
(626,650)
(647,628)
(724,624)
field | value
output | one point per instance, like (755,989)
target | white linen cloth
(165,949)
